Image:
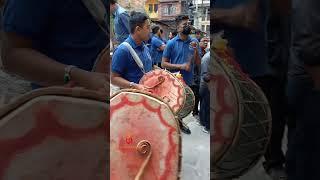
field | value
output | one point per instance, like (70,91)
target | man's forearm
(197,57)
(120,82)
(170,66)
(33,66)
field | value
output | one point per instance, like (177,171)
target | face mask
(186,30)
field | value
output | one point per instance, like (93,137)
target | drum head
(48,134)
(171,90)
(135,117)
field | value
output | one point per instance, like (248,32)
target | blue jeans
(205,107)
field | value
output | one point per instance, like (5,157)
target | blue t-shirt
(250,47)
(180,52)
(156,43)
(124,64)
(62,30)
(121,24)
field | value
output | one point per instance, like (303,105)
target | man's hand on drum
(140,87)
(185,66)
(91,80)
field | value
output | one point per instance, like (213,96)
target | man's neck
(183,37)
(137,40)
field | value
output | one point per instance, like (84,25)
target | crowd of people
(180,52)
(275,43)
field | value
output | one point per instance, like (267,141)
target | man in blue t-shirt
(157,46)
(42,38)
(125,72)
(182,52)
(121,21)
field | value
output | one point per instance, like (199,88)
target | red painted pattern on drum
(221,84)
(46,124)
(172,87)
(129,152)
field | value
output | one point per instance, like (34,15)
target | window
(150,8)
(156,8)
(203,17)
(165,10)
(208,28)
(203,28)
(169,9)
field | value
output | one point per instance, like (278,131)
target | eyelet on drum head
(143,147)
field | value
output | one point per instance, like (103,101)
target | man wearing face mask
(181,53)
(125,71)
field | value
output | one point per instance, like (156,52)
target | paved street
(195,152)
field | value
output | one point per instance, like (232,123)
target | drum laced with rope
(241,116)
(171,89)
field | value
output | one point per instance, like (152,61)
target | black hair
(161,31)
(137,19)
(113,1)
(155,29)
(198,31)
(181,18)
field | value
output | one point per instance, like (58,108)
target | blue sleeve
(156,42)
(29,18)
(119,63)
(124,17)
(168,50)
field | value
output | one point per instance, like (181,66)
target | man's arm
(162,47)
(117,80)
(196,53)
(166,64)
(20,58)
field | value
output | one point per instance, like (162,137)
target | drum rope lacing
(143,148)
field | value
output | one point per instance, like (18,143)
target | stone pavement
(195,152)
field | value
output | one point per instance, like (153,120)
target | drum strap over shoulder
(135,56)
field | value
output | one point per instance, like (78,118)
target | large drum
(55,133)
(145,138)
(241,117)
(171,90)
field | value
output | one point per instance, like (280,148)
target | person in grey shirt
(204,93)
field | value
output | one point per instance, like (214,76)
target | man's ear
(136,29)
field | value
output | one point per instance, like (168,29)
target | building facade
(200,12)
(152,9)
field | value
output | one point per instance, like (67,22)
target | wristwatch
(67,76)
(131,84)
